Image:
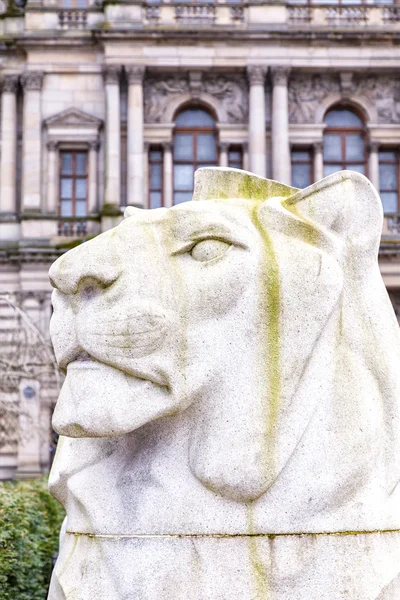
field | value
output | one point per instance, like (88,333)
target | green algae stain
(260,584)
(305,227)
(270,308)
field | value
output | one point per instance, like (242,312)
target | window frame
(310,162)
(343,131)
(235,148)
(395,162)
(194,131)
(155,148)
(73,176)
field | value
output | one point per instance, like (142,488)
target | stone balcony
(254,16)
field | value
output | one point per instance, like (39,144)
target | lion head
(256,309)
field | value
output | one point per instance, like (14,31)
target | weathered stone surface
(231,406)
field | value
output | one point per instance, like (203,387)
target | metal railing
(72,227)
(72,19)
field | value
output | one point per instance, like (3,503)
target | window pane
(300,156)
(66,163)
(329,169)
(180,197)
(155,200)
(81,4)
(80,163)
(342,118)
(66,188)
(332,146)
(357,168)
(300,175)
(354,146)
(183,177)
(388,177)
(183,146)
(195,117)
(66,3)
(80,188)
(80,208)
(206,147)
(66,208)
(235,156)
(387,156)
(389,201)
(155,155)
(155,177)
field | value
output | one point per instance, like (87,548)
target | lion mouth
(84,361)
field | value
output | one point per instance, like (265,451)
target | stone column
(281,164)
(168,175)
(32,82)
(92,177)
(112,184)
(223,154)
(52,178)
(135,76)
(373,164)
(257,131)
(318,161)
(8,164)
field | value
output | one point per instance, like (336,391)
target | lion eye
(209,249)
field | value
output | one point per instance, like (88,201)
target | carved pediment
(73,117)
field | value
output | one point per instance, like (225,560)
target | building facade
(113,103)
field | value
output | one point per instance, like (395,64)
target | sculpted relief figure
(230,414)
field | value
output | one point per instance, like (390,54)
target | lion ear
(345,204)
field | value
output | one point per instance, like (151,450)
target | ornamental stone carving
(32,80)
(256,74)
(230,90)
(111,74)
(10,83)
(135,73)
(280,75)
(306,92)
(231,401)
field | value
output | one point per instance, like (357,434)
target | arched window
(344,142)
(195,145)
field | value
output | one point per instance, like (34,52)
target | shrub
(30,520)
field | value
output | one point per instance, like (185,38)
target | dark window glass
(301,168)
(155,177)
(195,145)
(389,181)
(344,142)
(235,157)
(73,184)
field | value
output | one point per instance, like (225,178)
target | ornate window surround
(72,129)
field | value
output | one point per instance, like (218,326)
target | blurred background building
(116,102)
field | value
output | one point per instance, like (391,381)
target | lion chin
(126,401)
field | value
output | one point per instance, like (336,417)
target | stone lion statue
(231,405)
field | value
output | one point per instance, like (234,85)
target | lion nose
(79,264)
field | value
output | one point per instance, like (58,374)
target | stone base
(260,567)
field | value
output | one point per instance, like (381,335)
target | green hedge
(30,520)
